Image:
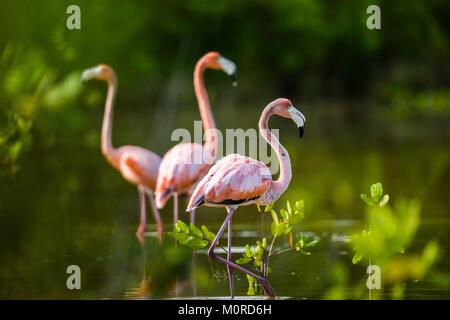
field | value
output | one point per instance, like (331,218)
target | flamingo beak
(301,131)
(90,73)
(299,120)
(229,68)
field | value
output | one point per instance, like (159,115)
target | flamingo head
(100,72)
(284,108)
(214,60)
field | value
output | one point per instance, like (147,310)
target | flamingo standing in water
(184,165)
(237,180)
(137,165)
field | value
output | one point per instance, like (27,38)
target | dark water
(67,206)
(63,209)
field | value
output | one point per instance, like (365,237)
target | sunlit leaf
(195,231)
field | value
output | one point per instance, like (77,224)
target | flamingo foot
(267,288)
(141,230)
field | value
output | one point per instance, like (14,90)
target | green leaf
(384,200)
(264,243)
(259,252)
(208,235)
(288,206)
(259,208)
(248,252)
(367,200)
(181,226)
(274,217)
(376,192)
(181,237)
(297,218)
(311,243)
(357,257)
(269,207)
(287,230)
(278,229)
(243,260)
(195,231)
(284,214)
(299,205)
(197,243)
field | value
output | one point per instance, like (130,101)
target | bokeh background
(377,104)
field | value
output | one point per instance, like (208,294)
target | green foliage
(304,243)
(284,224)
(254,254)
(376,198)
(191,235)
(389,232)
(14,137)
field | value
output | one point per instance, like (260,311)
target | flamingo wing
(232,180)
(181,168)
(139,166)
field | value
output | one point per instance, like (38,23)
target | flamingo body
(180,170)
(139,166)
(186,163)
(234,180)
(237,180)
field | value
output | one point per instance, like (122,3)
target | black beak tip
(233,77)
(301,131)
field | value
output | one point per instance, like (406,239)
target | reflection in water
(71,220)
(143,290)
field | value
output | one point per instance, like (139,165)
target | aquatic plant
(284,226)
(389,232)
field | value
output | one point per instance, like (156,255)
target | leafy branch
(192,236)
(283,225)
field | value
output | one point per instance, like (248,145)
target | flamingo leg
(229,269)
(156,216)
(175,208)
(264,283)
(143,215)
(192,216)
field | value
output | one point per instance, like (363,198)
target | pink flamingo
(184,165)
(237,180)
(137,165)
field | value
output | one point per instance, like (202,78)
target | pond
(62,209)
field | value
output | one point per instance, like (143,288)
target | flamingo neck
(204,106)
(107,148)
(280,185)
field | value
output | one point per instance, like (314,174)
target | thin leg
(192,216)
(229,269)
(156,216)
(175,220)
(143,215)
(264,283)
(175,208)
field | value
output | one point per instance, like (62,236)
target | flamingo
(137,165)
(179,171)
(236,181)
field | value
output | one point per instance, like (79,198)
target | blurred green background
(377,104)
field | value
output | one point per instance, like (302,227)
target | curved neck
(281,184)
(107,148)
(203,104)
